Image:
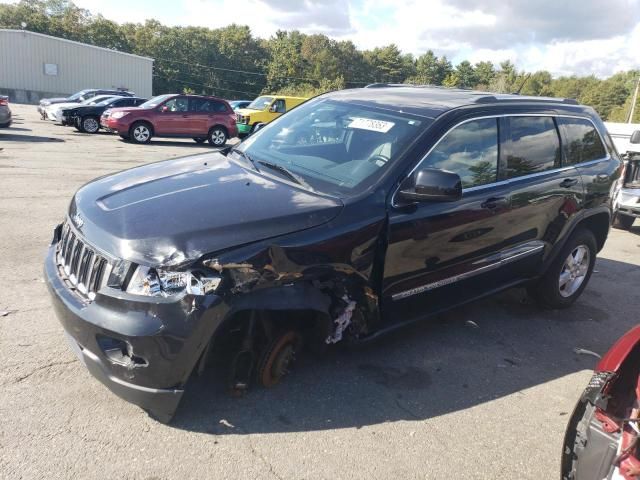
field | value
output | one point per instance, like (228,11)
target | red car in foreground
(192,116)
(602,441)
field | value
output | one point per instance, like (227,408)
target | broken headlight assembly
(153,282)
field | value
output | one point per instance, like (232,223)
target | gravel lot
(482,392)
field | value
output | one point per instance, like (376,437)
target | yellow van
(264,109)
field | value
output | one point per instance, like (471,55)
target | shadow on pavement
(473,354)
(18,129)
(8,137)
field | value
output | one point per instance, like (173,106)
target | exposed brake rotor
(277,359)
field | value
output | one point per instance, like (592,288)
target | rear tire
(623,222)
(217,137)
(90,124)
(140,132)
(568,275)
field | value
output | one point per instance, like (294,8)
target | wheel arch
(310,306)
(218,125)
(146,122)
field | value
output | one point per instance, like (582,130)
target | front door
(441,254)
(173,117)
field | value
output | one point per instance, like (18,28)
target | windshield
(77,95)
(108,101)
(97,99)
(155,101)
(260,103)
(336,147)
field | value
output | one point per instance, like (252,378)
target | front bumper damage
(142,349)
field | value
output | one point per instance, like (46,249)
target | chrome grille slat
(84,266)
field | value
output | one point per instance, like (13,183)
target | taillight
(4,101)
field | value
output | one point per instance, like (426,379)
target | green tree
(485,74)
(466,74)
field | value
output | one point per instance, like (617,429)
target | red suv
(201,118)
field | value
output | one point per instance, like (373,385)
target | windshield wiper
(247,157)
(287,173)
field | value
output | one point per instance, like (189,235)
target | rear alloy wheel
(217,137)
(90,125)
(569,273)
(140,133)
(623,222)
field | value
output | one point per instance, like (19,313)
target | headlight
(162,283)
(245,120)
(119,114)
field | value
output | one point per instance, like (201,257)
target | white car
(52,112)
(626,137)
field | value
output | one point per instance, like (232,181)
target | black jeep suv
(351,215)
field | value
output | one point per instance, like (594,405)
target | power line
(247,72)
(212,87)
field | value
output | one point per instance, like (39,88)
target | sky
(564,37)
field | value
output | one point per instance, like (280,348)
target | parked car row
(202,118)
(78,97)
(5,112)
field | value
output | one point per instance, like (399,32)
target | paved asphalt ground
(483,392)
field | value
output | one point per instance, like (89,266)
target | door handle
(568,182)
(494,203)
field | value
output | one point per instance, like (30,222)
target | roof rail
(383,85)
(518,98)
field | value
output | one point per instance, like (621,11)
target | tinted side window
(583,142)
(535,146)
(218,106)
(280,106)
(470,150)
(177,104)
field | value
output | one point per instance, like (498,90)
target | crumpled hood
(173,212)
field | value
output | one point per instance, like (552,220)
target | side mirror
(635,137)
(432,185)
(164,109)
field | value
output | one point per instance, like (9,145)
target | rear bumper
(5,118)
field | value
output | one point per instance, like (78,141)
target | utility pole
(634,100)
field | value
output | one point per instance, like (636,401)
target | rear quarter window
(534,146)
(582,141)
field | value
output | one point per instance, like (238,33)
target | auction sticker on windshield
(371,124)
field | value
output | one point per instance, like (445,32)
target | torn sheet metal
(342,322)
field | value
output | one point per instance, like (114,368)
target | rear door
(208,112)
(200,111)
(584,149)
(174,119)
(545,192)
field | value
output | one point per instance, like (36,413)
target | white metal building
(33,66)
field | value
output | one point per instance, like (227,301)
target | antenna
(517,92)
